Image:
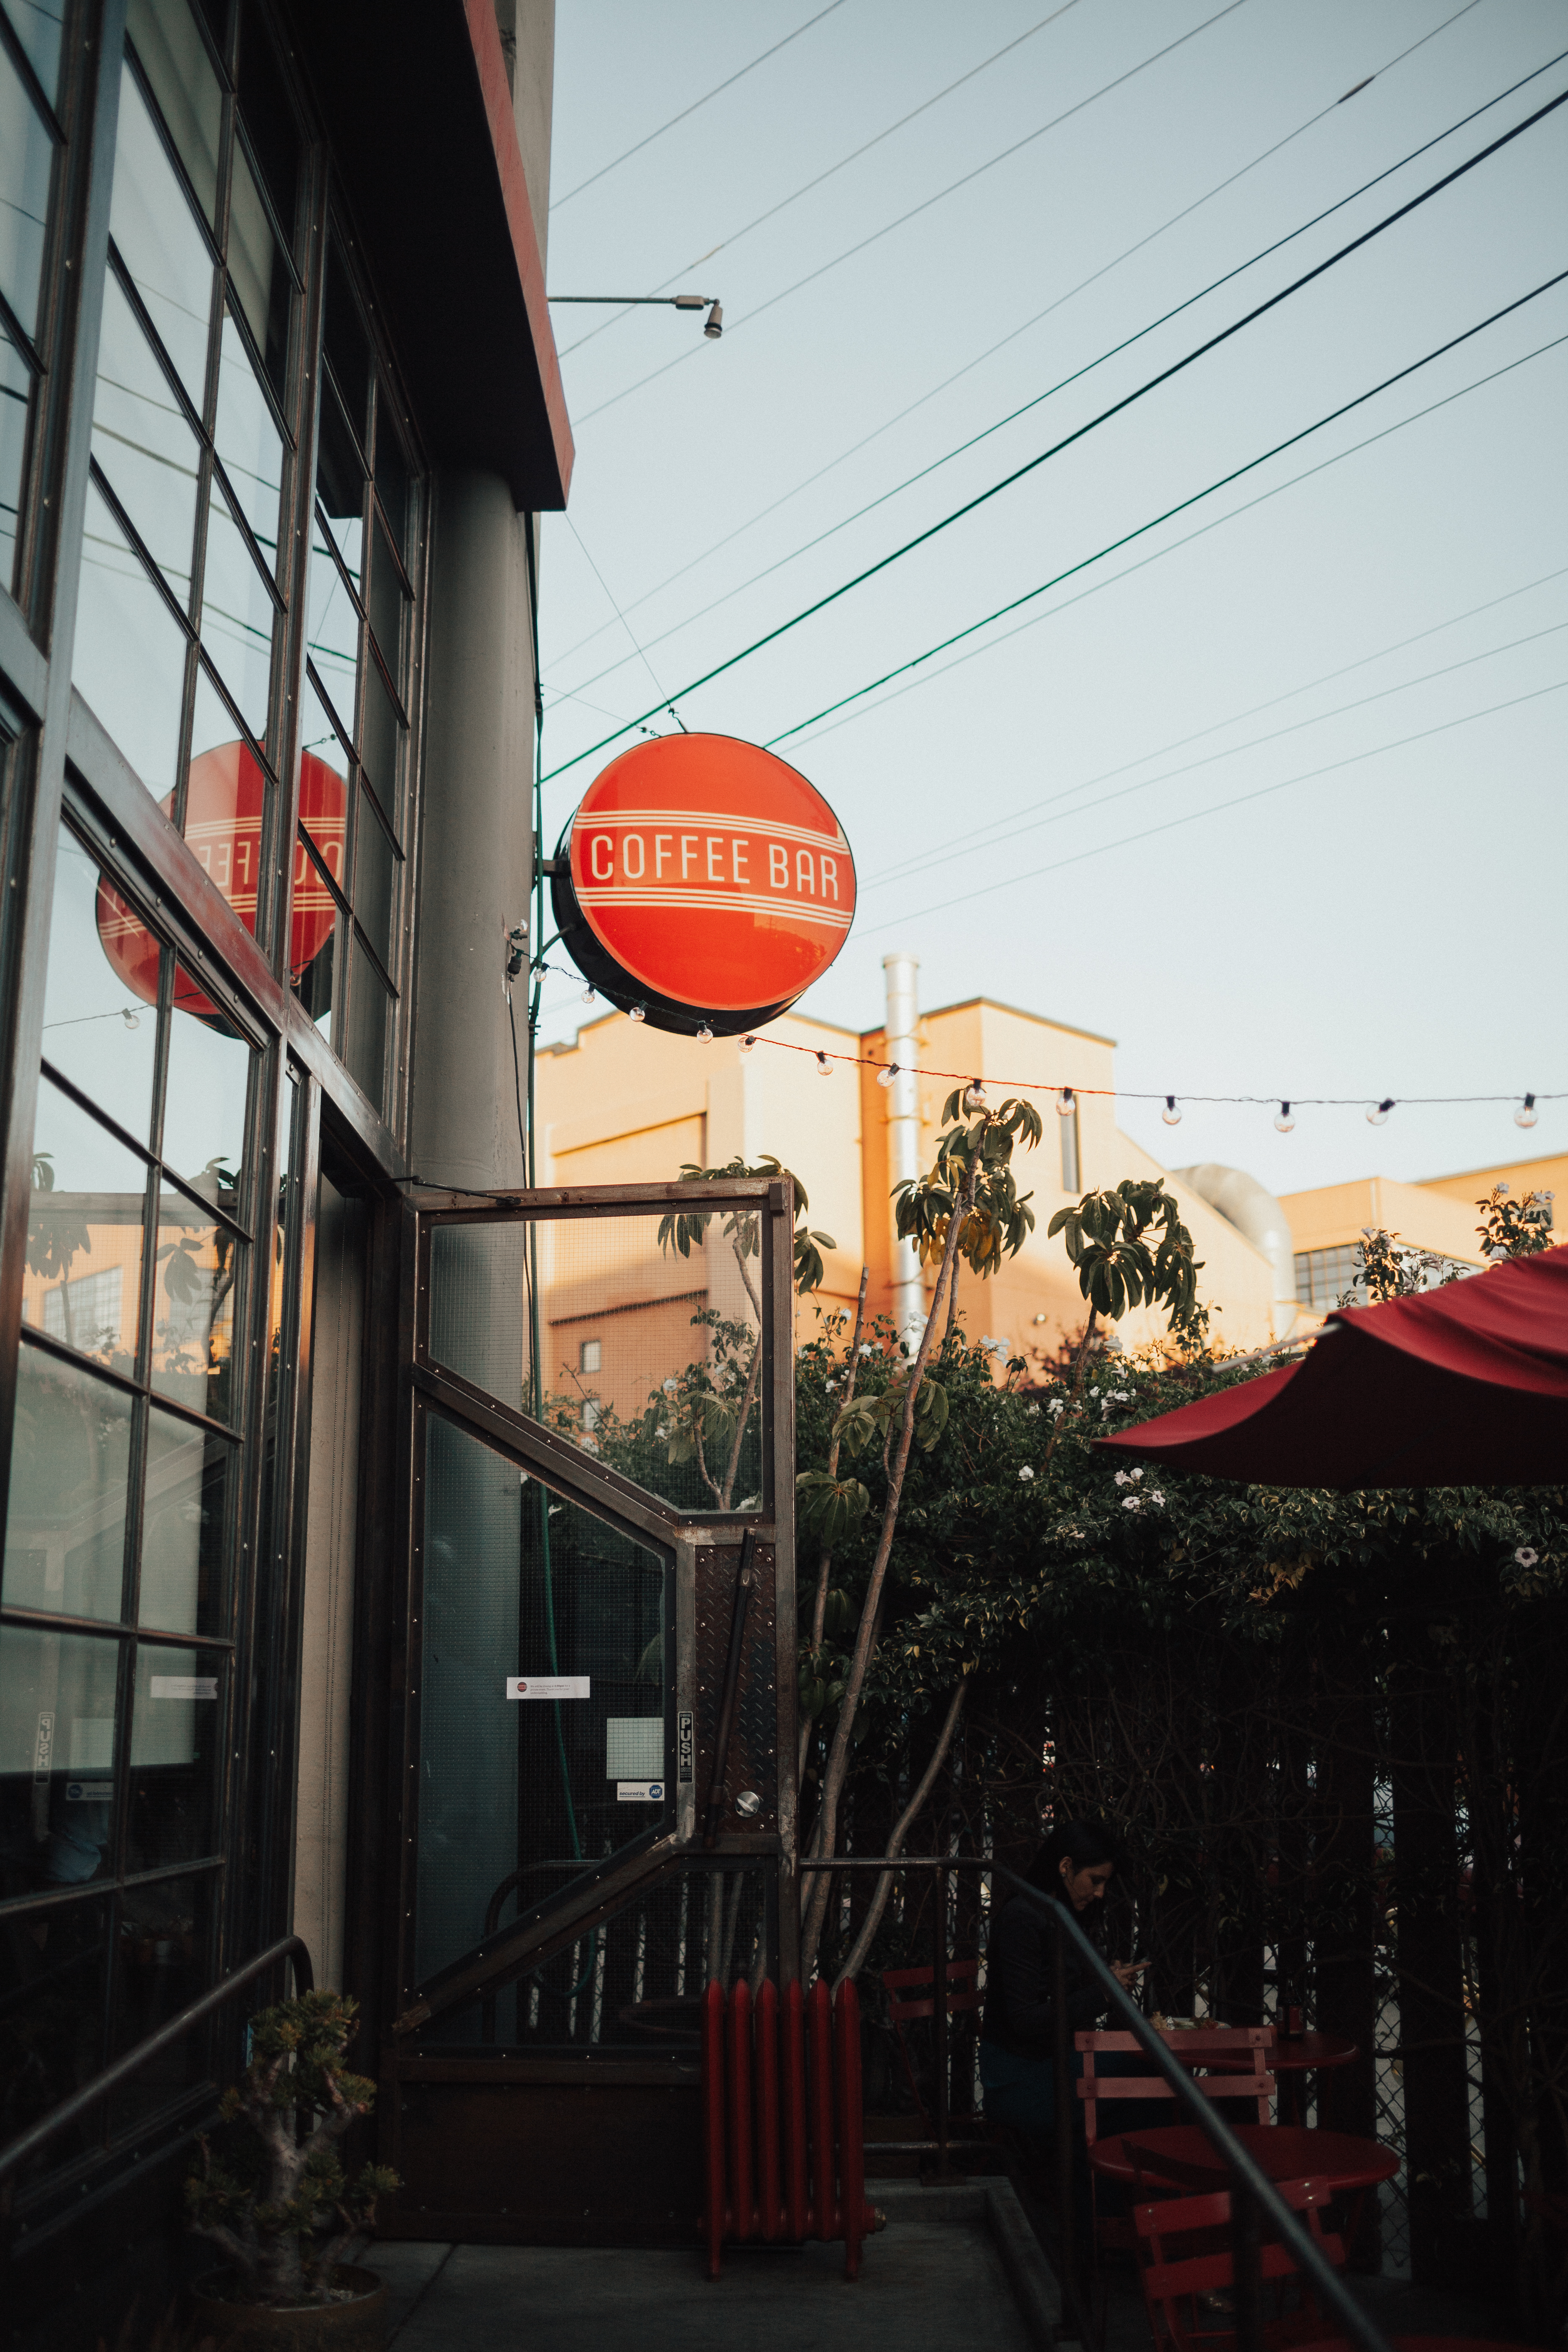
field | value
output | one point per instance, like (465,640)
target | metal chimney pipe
(904,1131)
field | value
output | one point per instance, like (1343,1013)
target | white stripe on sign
(639,1792)
(547,1685)
(185,1686)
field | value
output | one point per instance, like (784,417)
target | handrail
(1251,2189)
(18,2151)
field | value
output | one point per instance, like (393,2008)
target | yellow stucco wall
(627,1104)
(1521,1176)
(1335,1214)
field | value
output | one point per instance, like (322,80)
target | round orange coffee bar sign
(705,880)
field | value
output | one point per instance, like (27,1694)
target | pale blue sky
(1392,926)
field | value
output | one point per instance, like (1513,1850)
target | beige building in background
(1440,1214)
(626,1103)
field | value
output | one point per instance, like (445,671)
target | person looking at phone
(1017,2039)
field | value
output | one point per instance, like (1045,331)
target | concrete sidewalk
(947,2272)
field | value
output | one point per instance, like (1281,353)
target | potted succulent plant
(276,2200)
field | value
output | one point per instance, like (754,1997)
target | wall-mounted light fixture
(713,326)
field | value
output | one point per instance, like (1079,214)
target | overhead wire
(639,650)
(844,161)
(991,349)
(728,83)
(1172,546)
(962,448)
(1217,808)
(1116,408)
(1152,524)
(951,852)
(964,181)
(977,836)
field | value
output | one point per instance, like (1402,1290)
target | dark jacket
(1020,1971)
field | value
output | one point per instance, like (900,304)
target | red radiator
(784,2138)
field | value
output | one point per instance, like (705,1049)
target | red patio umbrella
(1466,1386)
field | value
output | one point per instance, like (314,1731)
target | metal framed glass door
(597,1401)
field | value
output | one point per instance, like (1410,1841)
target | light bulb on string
(1376,1113)
(886,1074)
(1285,1118)
(824,1066)
(975,1096)
(637,1012)
(588,996)
(747,1044)
(705,1036)
(1067,1103)
(133,1020)
(1526,1115)
(1171,1115)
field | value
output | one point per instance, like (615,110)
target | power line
(1263,791)
(991,349)
(1078,373)
(1092,424)
(853,157)
(1012,607)
(951,850)
(728,83)
(1292,482)
(907,867)
(942,194)
(639,651)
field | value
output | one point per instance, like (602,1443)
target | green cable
(1067,440)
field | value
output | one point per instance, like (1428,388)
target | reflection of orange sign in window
(713,872)
(224,803)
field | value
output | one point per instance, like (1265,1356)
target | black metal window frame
(57,762)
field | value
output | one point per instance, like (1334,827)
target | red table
(1301,2053)
(1183,2155)
(1416,2344)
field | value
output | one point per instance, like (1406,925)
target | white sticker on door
(634,1746)
(185,1686)
(547,1685)
(639,1792)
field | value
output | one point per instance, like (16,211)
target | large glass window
(353,773)
(183,603)
(116,1593)
(30,142)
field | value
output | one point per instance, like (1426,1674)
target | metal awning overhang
(419,115)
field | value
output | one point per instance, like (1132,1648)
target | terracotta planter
(356,2327)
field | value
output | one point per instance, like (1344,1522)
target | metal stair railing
(1253,2194)
(26,2144)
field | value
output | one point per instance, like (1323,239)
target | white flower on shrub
(1157,1499)
(1526,1557)
(1131,1503)
(1034,1411)
(1026,1472)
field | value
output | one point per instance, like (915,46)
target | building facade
(624,1103)
(281,408)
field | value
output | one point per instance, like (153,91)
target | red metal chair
(1185,2264)
(1236,2062)
(962,1993)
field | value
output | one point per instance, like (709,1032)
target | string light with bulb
(1526,1112)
